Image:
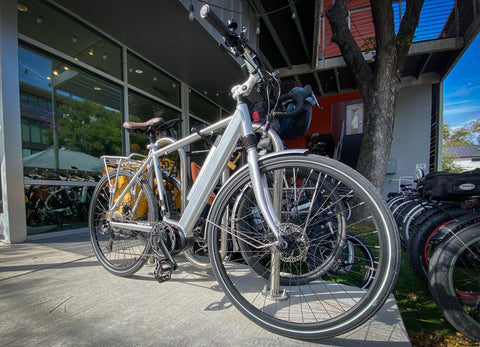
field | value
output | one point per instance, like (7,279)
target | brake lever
(315,101)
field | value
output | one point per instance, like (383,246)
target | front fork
(270,207)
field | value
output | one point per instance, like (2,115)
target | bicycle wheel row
(442,241)
(422,225)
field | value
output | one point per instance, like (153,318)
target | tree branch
(408,26)
(351,53)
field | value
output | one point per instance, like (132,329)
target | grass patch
(424,322)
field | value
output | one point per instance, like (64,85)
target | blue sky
(461,103)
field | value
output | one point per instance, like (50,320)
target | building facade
(71,76)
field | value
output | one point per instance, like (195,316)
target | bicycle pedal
(163,270)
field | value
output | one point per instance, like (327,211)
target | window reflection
(49,26)
(198,149)
(66,109)
(151,80)
(202,108)
(142,109)
(51,207)
(69,119)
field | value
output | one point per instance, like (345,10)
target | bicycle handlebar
(297,96)
(238,45)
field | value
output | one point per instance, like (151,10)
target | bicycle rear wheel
(308,290)
(121,251)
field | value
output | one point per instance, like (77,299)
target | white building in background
(467,157)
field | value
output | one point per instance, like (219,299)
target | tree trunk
(379,84)
(377,136)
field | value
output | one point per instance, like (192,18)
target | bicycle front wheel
(342,258)
(121,251)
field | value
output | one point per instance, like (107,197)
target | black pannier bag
(448,186)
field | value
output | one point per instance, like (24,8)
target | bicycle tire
(395,201)
(249,291)
(417,250)
(406,228)
(121,251)
(357,266)
(455,275)
(400,218)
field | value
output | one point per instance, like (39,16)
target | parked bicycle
(439,220)
(280,242)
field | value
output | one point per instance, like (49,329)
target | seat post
(151,136)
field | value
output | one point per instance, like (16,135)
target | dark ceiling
(161,32)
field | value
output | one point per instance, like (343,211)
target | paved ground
(53,292)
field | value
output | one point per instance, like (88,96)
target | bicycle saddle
(151,124)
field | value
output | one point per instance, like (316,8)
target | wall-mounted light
(39,20)
(90,52)
(139,71)
(74,39)
(97,88)
(257,30)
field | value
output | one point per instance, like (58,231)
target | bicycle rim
(121,251)
(309,292)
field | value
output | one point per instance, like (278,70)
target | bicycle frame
(235,127)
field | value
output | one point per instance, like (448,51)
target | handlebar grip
(297,97)
(210,16)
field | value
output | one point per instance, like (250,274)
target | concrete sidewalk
(53,292)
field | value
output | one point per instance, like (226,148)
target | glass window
(69,119)
(153,81)
(142,109)
(198,149)
(202,108)
(45,24)
(64,109)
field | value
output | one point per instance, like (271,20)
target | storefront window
(142,109)
(202,108)
(69,119)
(45,24)
(153,81)
(198,149)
